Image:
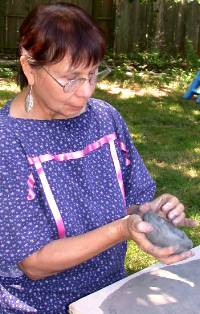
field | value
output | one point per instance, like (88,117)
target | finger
(145,207)
(187,222)
(168,254)
(165,255)
(179,219)
(161,253)
(138,225)
(166,201)
(145,244)
(177,258)
(171,205)
(175,212)
(144,227)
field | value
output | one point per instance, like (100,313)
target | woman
(68,171)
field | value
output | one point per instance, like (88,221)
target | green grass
(164,127)
(8,87)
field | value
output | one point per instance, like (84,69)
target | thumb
(138,225)
(145,207)
(155,205)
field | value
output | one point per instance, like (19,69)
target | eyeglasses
(74,84)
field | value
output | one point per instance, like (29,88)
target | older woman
(68,170)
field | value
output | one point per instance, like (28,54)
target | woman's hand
(171,208)
(135,229)
(167,206)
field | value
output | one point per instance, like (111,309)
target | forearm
(68,252)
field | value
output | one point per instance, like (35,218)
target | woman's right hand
(134,228)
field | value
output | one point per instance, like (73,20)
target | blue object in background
(193,88)
(198,100)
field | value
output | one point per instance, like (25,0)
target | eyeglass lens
(93,78)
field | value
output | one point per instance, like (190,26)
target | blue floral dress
(87,190)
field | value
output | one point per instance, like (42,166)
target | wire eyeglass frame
(73,84)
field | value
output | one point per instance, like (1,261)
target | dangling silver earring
(29,101)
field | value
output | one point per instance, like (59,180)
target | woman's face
(50,100)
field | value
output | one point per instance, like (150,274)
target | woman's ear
(27,69)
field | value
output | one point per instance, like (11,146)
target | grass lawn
(165,129)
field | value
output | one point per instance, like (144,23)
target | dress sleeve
(24,227)
(138,183)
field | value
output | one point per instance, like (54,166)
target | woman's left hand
(169,207)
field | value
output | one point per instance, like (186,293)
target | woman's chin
(75,112)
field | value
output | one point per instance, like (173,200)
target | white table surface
(156,289)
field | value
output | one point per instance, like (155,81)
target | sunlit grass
(184,167)
(8,89)
(135,90)
(136,259)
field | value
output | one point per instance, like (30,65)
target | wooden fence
(129,25)
(12,13)
(163,24)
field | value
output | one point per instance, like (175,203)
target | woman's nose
(85,90)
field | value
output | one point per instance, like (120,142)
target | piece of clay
(166,234)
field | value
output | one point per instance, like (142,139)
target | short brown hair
(50,32)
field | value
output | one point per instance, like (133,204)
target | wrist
(118,230)
(123,228)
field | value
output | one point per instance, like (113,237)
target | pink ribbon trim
(123,147)
(75,155)
(37,161)
(117,169)
(50,199)
(31,183)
